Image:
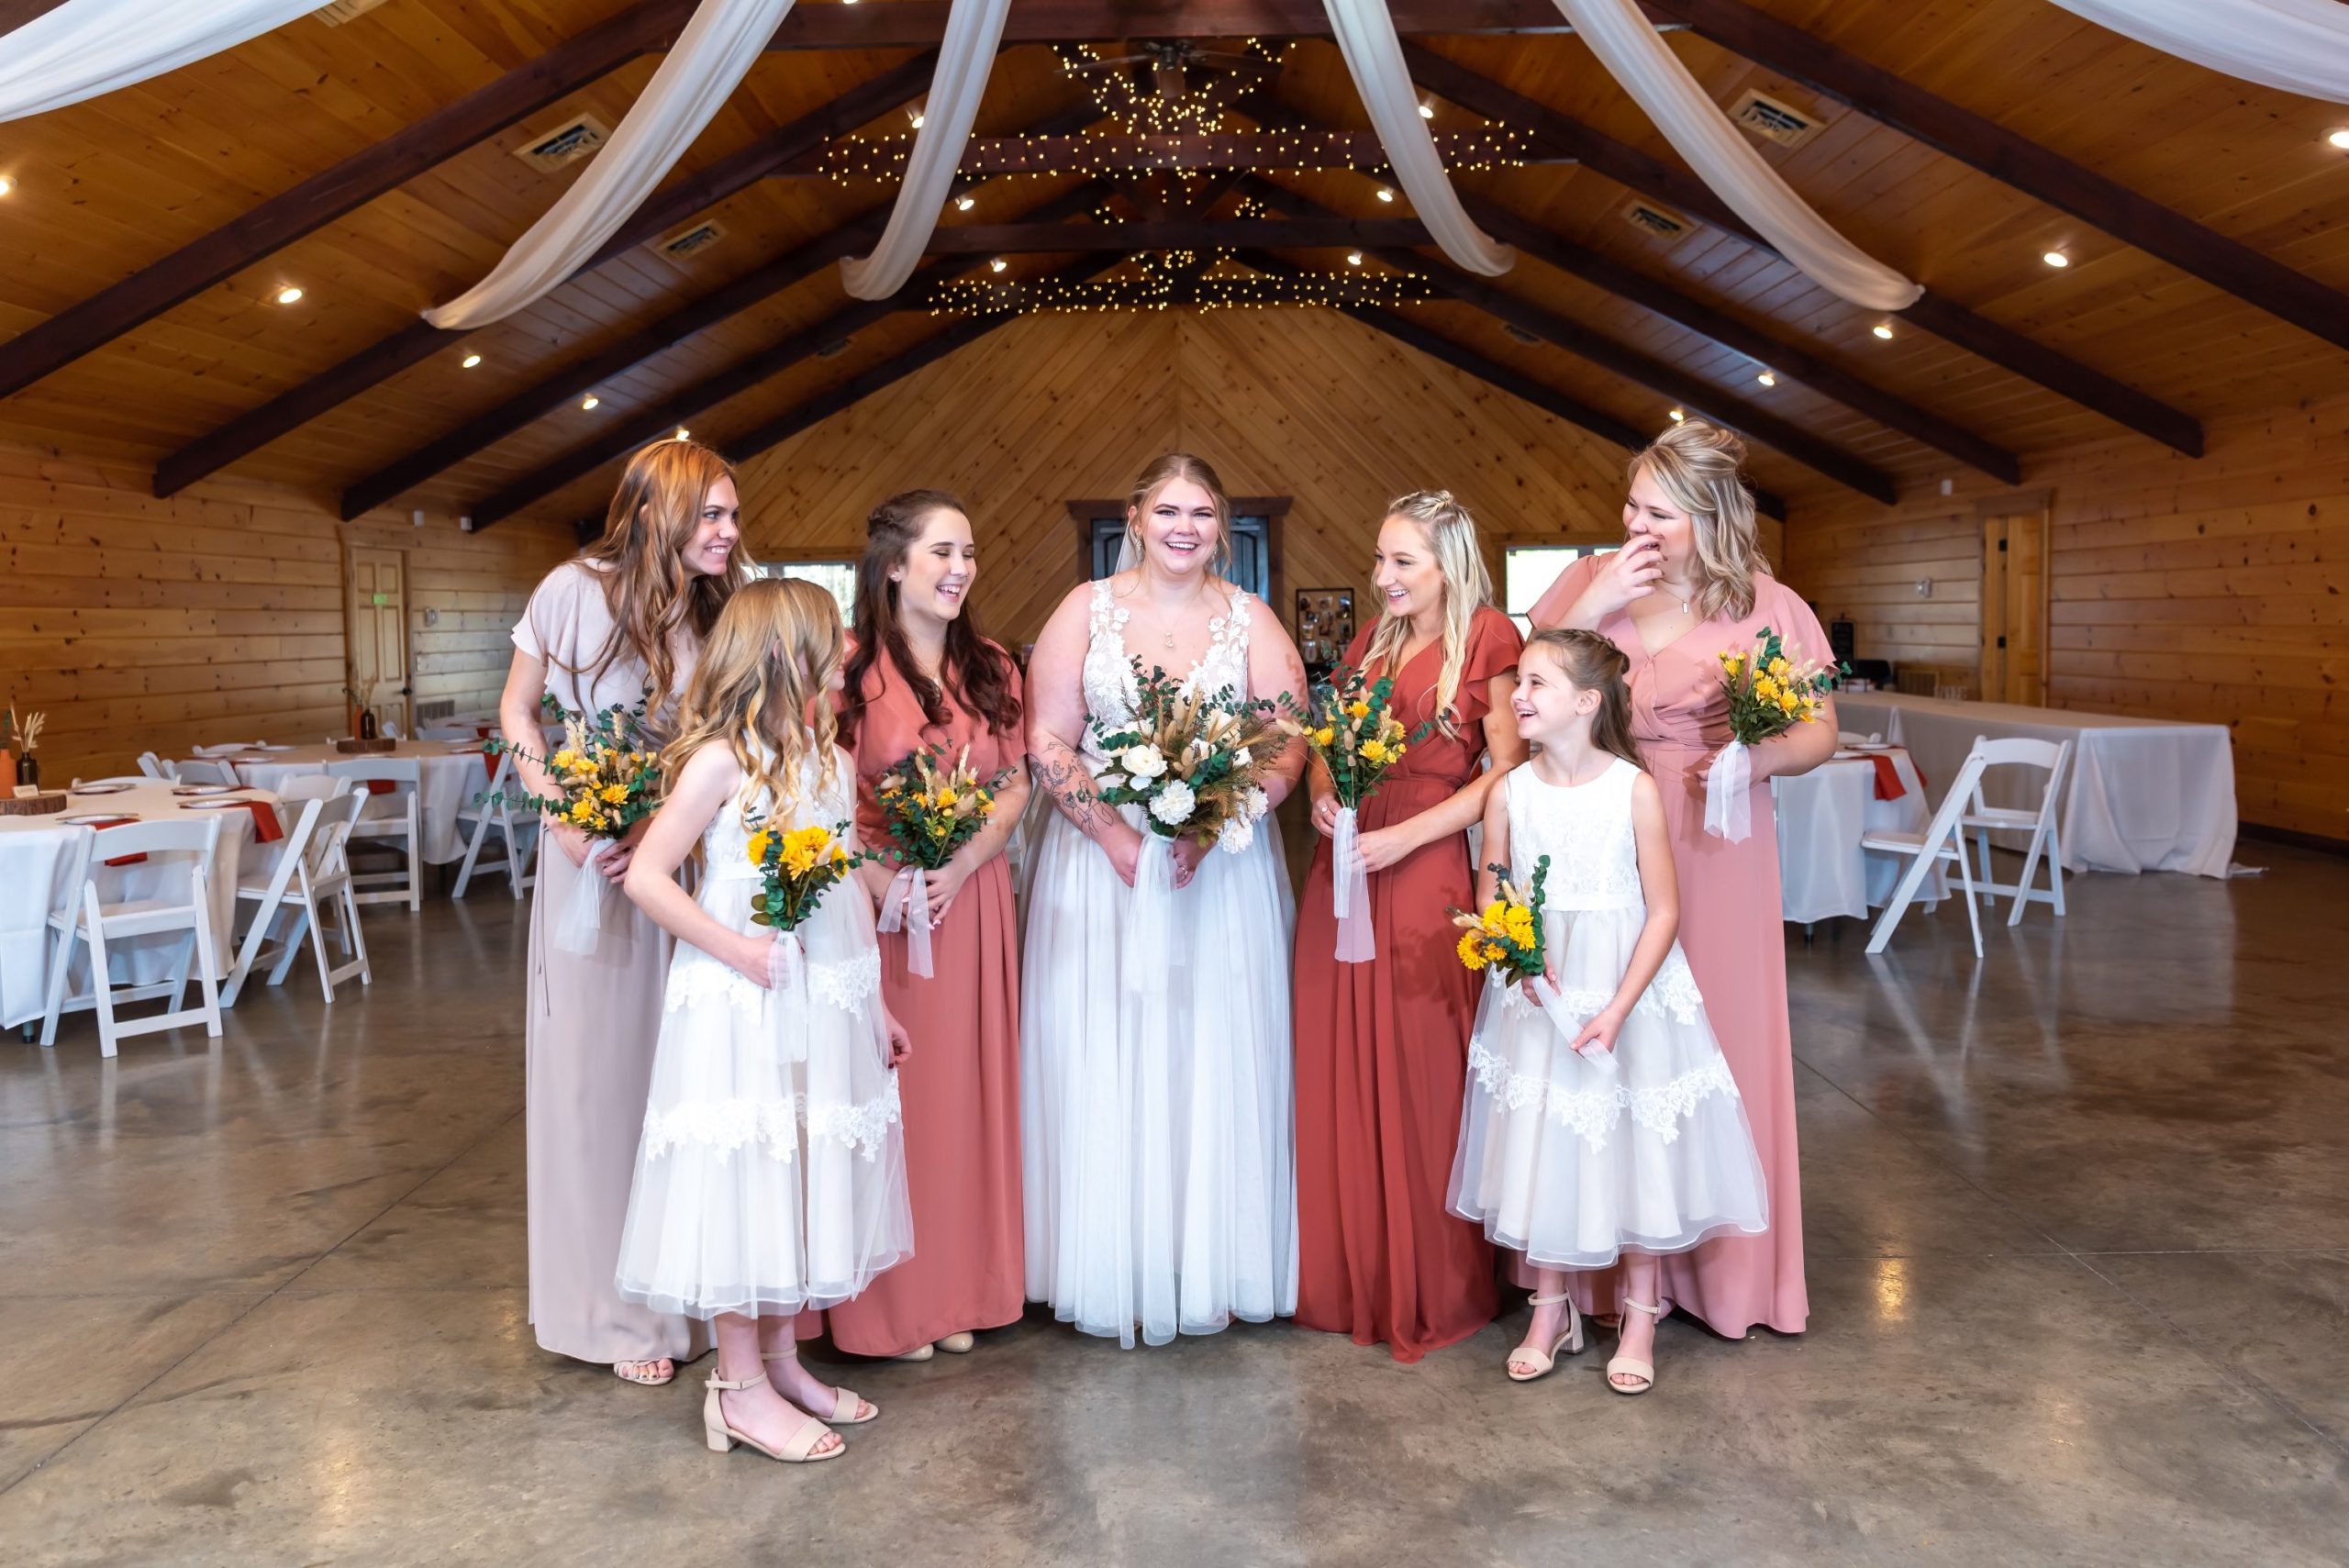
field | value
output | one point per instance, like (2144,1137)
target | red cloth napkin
(1888,778)
(489,765)
(381,786)
(267,830)
(116,822)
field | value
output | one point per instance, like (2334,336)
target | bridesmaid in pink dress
(921,676)
(1688,585)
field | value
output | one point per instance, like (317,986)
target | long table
(2142,793)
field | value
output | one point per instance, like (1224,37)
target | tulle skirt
(1159,1178)
(1573,1162)
(772,1176)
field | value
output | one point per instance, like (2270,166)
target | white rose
(1143,761)
(1174,804)
(1235,835)
(1257,804)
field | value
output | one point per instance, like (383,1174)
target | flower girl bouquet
(1352,727)
(796,867)
(1769,694)
(1506,940)
(931,811)
(1194,761)
(606,779)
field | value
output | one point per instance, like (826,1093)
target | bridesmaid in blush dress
(608,628)
(922,676)
(1382,1047)
(1688,585)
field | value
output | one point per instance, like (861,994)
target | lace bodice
(1110,693)
(725,842)
(1586,833)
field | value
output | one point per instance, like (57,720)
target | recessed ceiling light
(1354,258)
(2339,138)
(1427,111)
(289,295)
(589,401)
(2055,259)
(7,185)
(469,360)
(1767,379)
(1883,329)
(964,204)
(917,117)
(997,266)
(1677,415)
(1384,195)
(683,434)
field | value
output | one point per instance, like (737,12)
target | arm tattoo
(1065,779)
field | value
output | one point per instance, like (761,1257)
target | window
(1527,570)
(837,578)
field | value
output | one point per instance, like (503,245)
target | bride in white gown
(1160,1189)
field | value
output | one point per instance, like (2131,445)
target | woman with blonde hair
(1688,585)
(1154,1081)
(619,624)
(1382,1045)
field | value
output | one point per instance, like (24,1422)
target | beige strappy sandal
(1544,1362)
(642,1373)
(799,1450)
(844,1400)
(1626,1366)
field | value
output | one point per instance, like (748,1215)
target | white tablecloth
(35,862)
(2142,794)
(1822,815)
(452,774)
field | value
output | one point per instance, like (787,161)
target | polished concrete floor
(2079,1222)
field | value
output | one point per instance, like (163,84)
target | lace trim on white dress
(849,986)
(723,1127)
(1592,1114)
(846,986)
(1674,991)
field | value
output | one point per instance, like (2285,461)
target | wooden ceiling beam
(1359,149)
(1945,318)
(1178,234)
(15,13)
(320,199)
(2224,263)
(663,210)
(903,24)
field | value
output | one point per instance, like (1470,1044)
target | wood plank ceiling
(109,186)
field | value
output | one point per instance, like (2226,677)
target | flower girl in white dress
(771,1178)
(1603,1125)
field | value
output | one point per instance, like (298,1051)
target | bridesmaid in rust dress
(1382,1047)
(921,676)
(1688,585)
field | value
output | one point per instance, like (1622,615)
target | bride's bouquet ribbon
(1727,813)
(906,907)
(581,925)
(1350,890)
(1150,935)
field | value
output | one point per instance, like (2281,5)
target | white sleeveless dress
(1161,1183)
(772,1174)
(1561,1159)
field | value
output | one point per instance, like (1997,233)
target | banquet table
(1822,871)
(453,772)
(36,862)
(2142,794)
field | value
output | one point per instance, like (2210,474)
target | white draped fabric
(1366,35)
(88,47)
(1629,45)
(2300,46)
(965,56)
(711,57)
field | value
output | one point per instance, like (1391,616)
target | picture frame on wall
(1325,626)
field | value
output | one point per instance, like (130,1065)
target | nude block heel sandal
(1625,1366)
(1544,1362)
(844,1400)
(799,1450)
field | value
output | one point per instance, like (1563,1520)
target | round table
(452,772)
(1822,814)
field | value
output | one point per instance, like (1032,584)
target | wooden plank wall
(2213,590)
(217,615)
(1301,403)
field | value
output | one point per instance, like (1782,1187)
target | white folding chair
(58,934)
(389,817)
(207,770)
(312,877)
(518,837)
(1943,840)
(2039,821)
(97,923)
(154,767)
(269,892)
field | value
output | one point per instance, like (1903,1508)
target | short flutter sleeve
(1494,644)
(1550,608)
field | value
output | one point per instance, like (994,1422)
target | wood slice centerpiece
(48,803)
(352,746)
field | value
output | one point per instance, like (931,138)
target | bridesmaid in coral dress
(1688,586)
(922,676)
(1382,1047)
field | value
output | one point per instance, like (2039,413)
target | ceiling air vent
(833,349)
(1767,117)
(1519,333)
(1656,219)
(567,143)
(342,11)
(695,237)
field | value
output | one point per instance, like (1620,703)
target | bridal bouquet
(1769,693)
(607,779)
(932,810)
(1352,727)
(1194,761)
(796,867)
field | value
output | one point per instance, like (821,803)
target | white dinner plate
(184,790)
(100,789)
(209,805)
(85,818)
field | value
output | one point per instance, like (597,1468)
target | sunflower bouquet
(932,810)
(796,867)
(606,777)
(1350,726)
(1194,762)
(1506,937)
(1770,690)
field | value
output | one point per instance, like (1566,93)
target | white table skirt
(2142,794)
(36,855)
(1822,871)
(452,774)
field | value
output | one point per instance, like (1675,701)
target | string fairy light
(1165,284)
(1208,91)
(1097,154)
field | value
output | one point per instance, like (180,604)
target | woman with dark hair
(619,624)
(920,676)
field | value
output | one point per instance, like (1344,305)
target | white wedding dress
(1160,1185)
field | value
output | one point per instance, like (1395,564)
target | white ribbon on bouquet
(581,925)
(1553,1007)
(788,971)
(1350,890)
(906,907)
(1727,814)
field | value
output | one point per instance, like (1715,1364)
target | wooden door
(379,666)
(2014,600)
